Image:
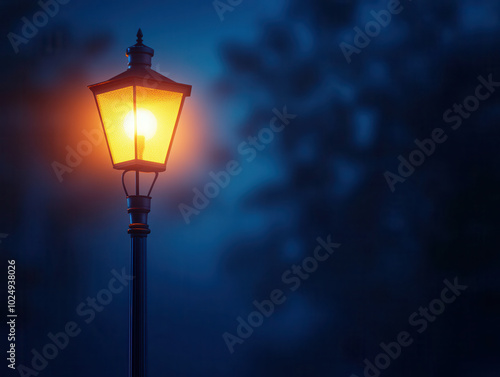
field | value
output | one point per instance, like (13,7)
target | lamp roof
(140,73)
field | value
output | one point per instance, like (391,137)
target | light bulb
(146,124)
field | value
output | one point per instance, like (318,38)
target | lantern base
(140,165)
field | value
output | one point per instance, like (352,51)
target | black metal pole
(138,208)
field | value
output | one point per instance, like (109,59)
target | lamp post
(139,111)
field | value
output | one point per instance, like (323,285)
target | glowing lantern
(139,111)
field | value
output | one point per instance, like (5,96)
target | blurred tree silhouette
(353,121)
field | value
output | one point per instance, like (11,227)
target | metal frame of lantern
(138,75)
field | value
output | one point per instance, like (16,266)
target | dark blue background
(322,175)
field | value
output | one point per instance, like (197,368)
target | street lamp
(139,111)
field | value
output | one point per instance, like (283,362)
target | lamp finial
(139,54)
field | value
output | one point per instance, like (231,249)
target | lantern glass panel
(114,107)
(157,112)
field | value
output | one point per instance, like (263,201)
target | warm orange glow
(146,124)
(192,144)
(156,115)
